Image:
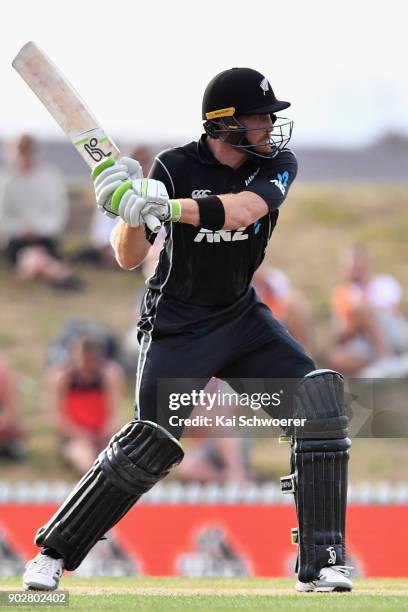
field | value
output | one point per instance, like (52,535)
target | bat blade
(68,109)
(64,104)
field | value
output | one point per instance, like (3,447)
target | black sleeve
(274,179)
(160,172)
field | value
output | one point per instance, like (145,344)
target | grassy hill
(316,223)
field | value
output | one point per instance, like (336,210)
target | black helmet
(243,91)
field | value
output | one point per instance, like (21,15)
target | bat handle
(152,223)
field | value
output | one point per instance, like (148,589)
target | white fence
(175,493)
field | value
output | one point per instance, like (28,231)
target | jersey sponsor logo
(200,193)
(281,181)
(251,177)
(264,85)
(221,235)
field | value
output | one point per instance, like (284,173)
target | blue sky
(142,66)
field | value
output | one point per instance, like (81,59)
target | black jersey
(208,268)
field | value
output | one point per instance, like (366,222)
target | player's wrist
(174,210)
(211,212)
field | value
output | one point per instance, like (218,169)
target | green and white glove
(110,175)
(167,211)
(138,200)
(121,191)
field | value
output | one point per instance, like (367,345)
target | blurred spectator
(369,324)
(85,393)
(220,460)
(33,214)
(12,432)
(215,459)
(131,342)
(60,350)
(100,252)
(149,263)
(144,156)
(286,303)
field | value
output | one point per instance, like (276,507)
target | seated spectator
(85,394)
(12,432)
(215,459)
(99,252)
(60,350)
(286,303)
(131,342)
(33,214)
(220,460)
(144,156)
(369,324)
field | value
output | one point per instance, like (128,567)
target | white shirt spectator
(384,291)
(101,229)
(34,202)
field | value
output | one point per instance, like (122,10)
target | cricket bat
(68,109)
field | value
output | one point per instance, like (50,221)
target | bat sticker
(96,153)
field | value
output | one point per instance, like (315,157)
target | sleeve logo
(281,181)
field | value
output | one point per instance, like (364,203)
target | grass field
(222,594)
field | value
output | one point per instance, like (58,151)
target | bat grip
(152,223)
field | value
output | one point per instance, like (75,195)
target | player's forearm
(189,212)
(129,244)
(241,209)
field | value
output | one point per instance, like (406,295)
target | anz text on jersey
(221,235)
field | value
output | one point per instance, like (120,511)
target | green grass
(222,594)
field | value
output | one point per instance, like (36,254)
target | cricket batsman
(219,200)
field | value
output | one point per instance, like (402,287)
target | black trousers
(189,345)
(14,246)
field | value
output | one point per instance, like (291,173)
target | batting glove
(139,200)
(108,176)
(167,211)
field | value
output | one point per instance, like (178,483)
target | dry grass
(315,224)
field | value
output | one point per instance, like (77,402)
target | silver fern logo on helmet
(264,85)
